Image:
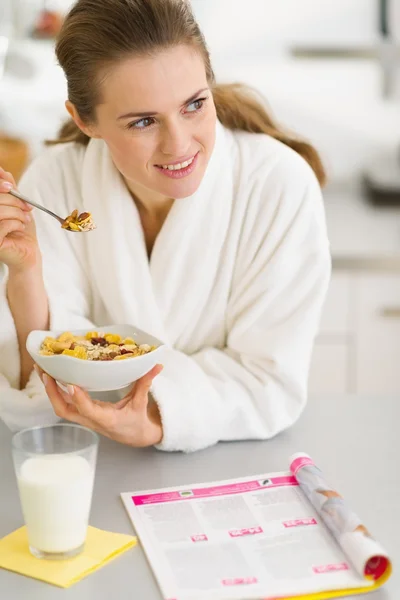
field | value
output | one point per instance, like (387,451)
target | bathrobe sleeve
(69,297)
(256,386)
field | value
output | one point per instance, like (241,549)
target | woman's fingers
(62,408)
(7,176)
(9,226)
(75,405)
(125,400)
(14,213)
(100,414)
(140,393)
(58,398)
(7,183)
(61,402)
(78,407)
(5,186)
(7,199)
(141,386)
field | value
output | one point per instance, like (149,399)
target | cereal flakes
(94,345)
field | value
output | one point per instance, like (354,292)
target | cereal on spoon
(79,222)
(94,346)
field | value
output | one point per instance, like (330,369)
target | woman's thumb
(143,386)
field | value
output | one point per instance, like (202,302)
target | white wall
(338,104)
(274,24)
(23,13)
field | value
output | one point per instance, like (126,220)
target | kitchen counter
(365,471)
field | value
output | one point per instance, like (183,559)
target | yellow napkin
(101,547)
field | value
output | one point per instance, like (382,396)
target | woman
(210,235)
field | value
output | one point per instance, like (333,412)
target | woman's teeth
(178,166)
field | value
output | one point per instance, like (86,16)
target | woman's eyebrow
(152,113)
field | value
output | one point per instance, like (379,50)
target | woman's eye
(142,123)
(196,105)
(147,122)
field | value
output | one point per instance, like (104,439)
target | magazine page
(366,555)
(255,537)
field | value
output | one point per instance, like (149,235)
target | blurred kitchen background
(329,71)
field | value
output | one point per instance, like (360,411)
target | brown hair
(96,34)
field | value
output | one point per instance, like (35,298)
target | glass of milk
(55,467)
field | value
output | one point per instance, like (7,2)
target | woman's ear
(87,129)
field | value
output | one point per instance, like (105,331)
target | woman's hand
(134,420)
(19,248)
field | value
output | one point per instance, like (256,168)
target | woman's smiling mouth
(178,169)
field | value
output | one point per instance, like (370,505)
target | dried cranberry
(99,340)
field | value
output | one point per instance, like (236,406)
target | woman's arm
(19,251)
(27,299)
(53,293)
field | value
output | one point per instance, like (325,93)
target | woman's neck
(153,210)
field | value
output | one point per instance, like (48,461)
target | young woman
(210,236)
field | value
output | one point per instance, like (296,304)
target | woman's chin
(181,188)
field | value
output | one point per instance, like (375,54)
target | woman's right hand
(19,248)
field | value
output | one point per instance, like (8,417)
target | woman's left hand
(135,420)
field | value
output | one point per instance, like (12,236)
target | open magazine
(282,535)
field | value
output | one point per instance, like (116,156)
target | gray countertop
(353,439)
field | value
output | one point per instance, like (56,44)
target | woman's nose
(175,142)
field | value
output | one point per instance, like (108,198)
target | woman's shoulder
(273,180)
(266,159)
(55,162)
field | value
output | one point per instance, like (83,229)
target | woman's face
(158,119)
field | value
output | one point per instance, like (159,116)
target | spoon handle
(24,199)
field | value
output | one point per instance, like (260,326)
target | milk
(56,493)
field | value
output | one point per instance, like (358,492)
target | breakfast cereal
(94,345)
(79,222)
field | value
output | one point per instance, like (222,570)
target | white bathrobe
(235,285)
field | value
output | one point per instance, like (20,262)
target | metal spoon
(49,212)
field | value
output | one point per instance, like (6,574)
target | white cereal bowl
(97,376)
